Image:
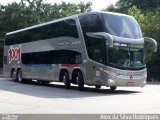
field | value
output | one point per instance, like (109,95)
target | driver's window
(98,55)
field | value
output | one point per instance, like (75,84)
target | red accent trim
(69,65)
(130,83)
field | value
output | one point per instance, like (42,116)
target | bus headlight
(110,82)
(144,83)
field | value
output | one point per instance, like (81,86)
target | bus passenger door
(97,67)
(97,74)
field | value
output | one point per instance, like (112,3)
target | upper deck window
(121,26)
(95,46)
(65,28)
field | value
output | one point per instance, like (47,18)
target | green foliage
(144,6)
(1,53)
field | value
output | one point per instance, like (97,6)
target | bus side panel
(6,65)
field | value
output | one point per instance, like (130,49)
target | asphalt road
(54,98)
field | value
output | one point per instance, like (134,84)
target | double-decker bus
(94,48)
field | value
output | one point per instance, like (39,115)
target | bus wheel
(14,76)
(113,88)
(43,82)
(98,86)
(66,80)
(19,76)
(80,81)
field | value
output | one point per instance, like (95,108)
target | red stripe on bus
(69,65)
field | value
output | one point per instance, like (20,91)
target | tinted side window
(53,30)
(52,57)
(95,47)
(91,23)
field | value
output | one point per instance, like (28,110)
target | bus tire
(80,81)
(98,86)
(14,75)
(19,76)
(113,88)
(43,82)
(66,80)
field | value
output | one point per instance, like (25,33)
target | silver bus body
(82,46)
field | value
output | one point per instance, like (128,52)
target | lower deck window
(52,57)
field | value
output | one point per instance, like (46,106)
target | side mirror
(102,35)
(152,42)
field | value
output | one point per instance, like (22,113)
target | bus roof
(57,20)
(42,24)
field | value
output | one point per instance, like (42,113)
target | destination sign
(120,44)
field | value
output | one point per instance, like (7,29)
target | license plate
(130,83)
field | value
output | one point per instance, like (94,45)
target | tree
(144,6)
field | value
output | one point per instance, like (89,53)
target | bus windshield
(121,26)
(126,56)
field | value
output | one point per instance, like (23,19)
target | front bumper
(127,78)
(122,82)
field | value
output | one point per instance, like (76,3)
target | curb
(2,76)
(153,83)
